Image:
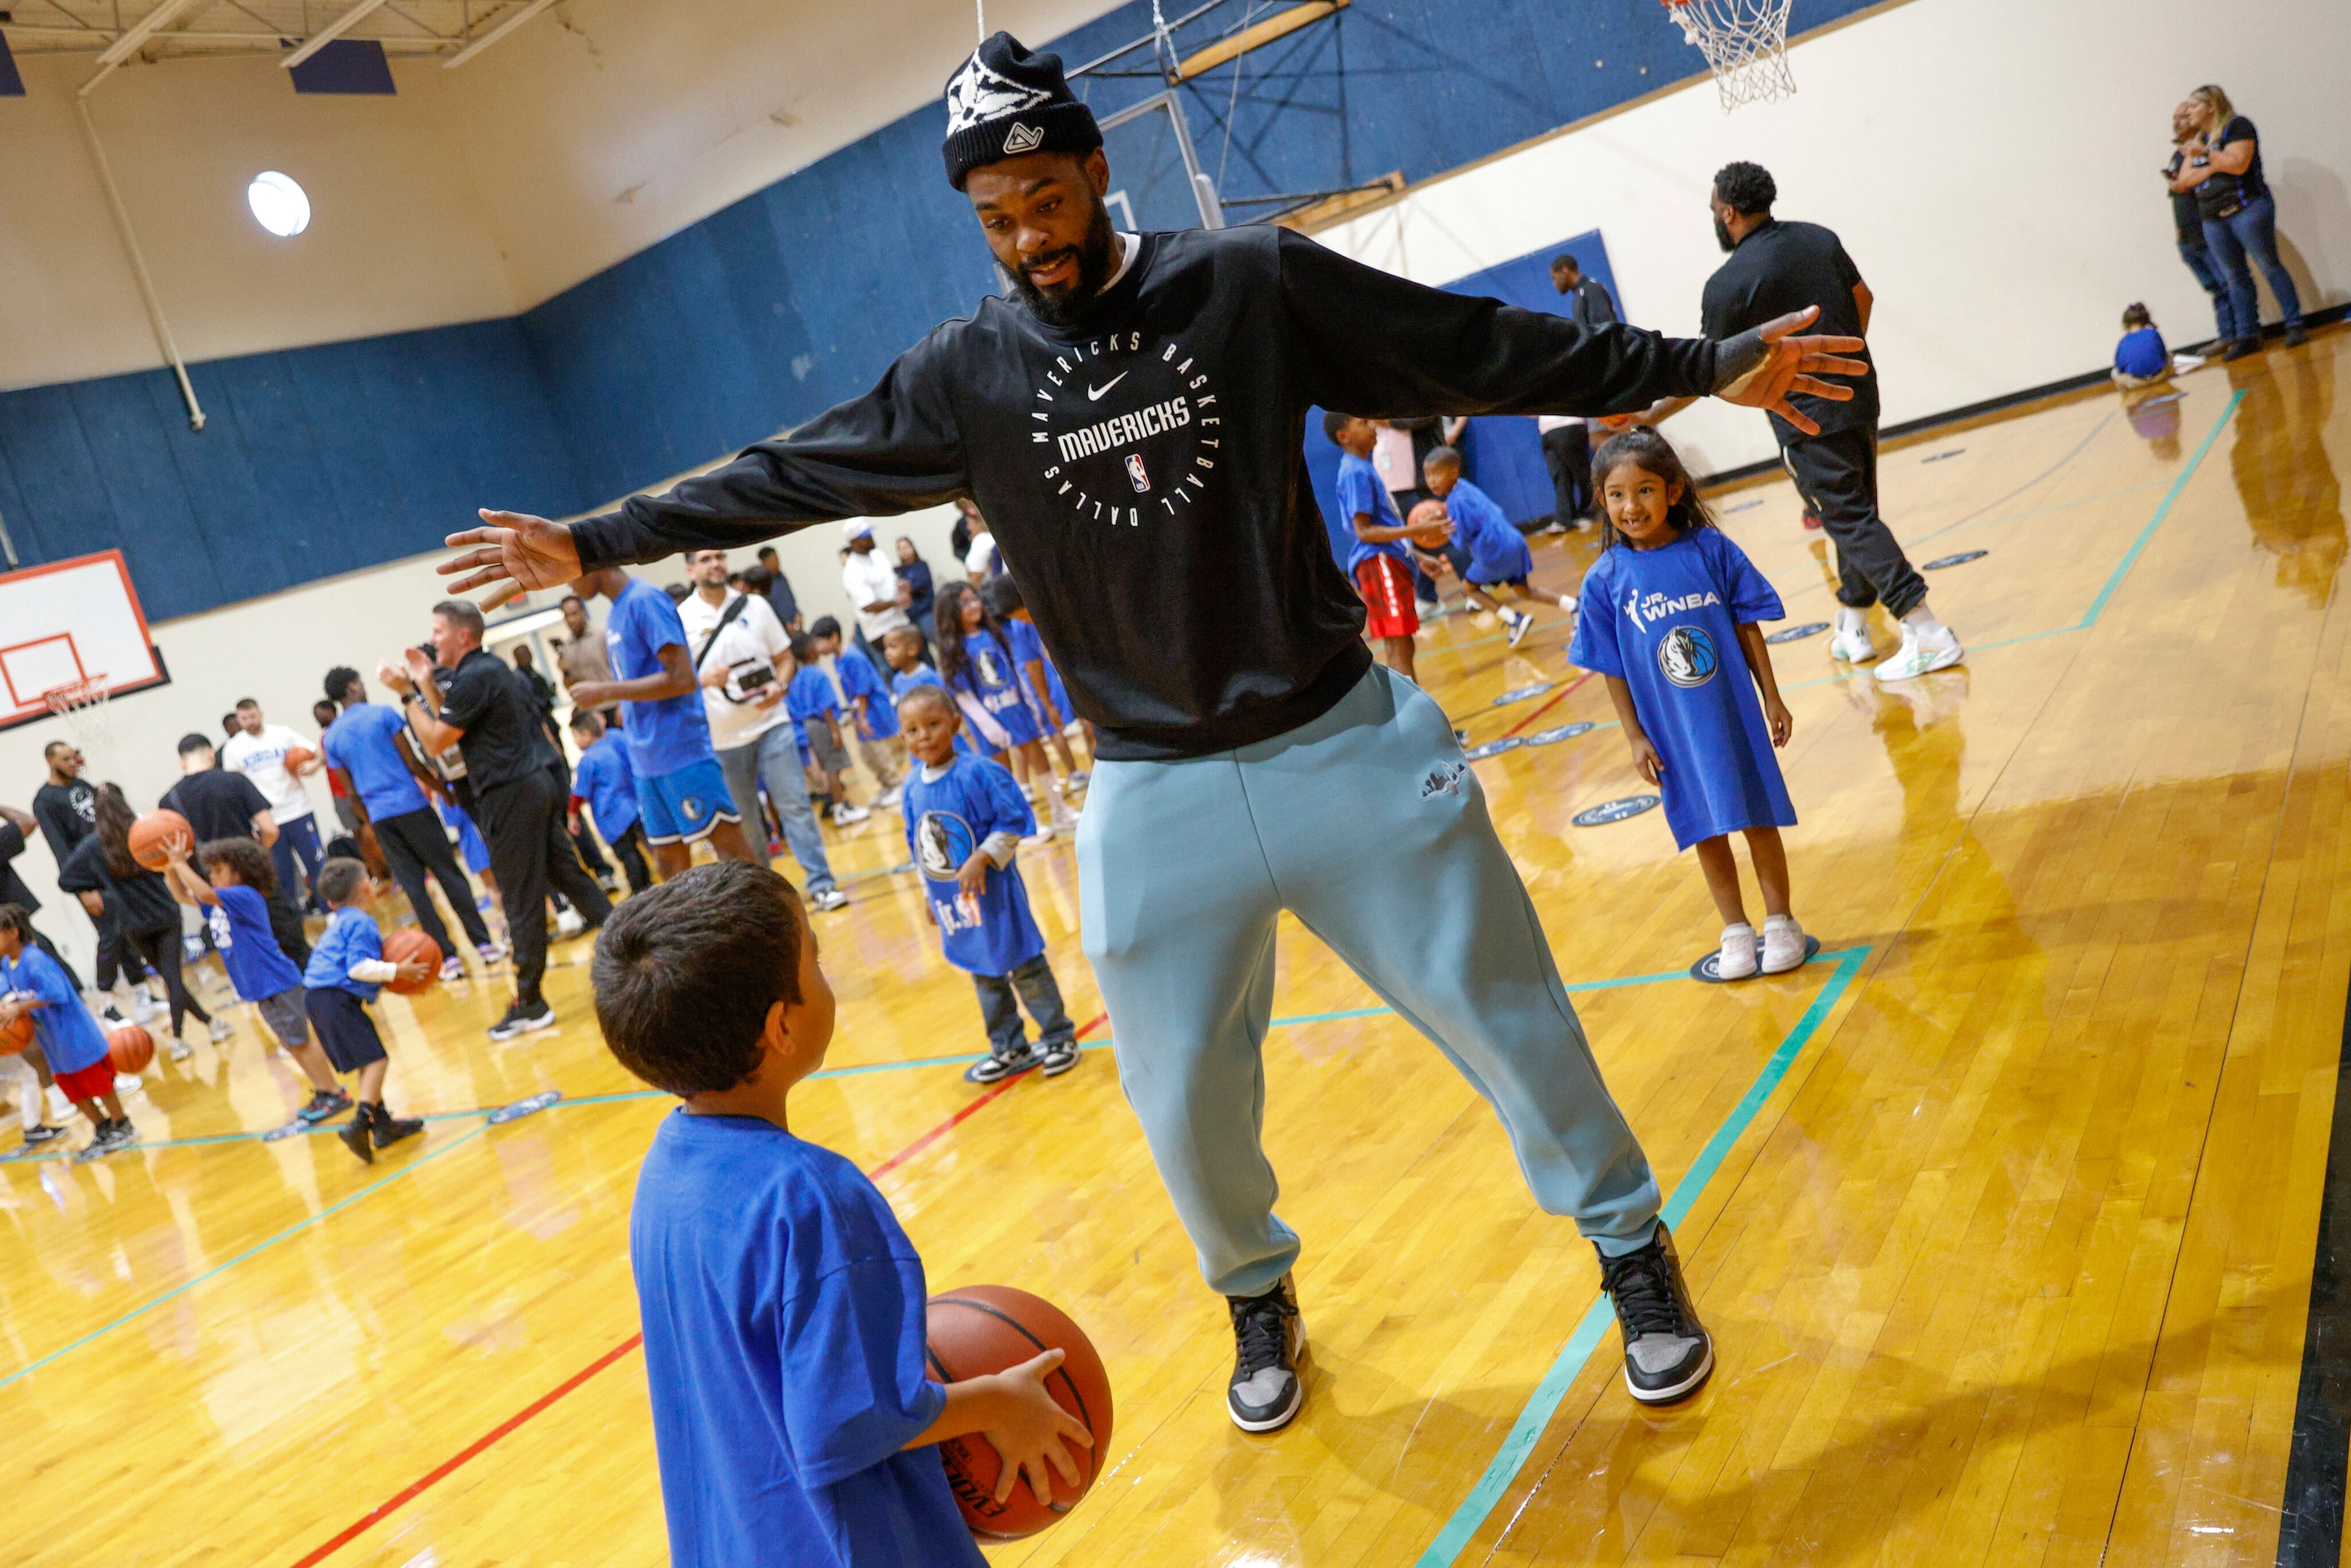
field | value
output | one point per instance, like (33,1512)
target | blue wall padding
(346,67)
(327,459)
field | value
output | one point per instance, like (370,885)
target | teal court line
(1545,1403)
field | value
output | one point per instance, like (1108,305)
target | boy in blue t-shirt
(782,1306)
(347,967)
(1378,559)
(607,786)
(2140,357)
(908,669)
(867,696)
(1495,553)
(33,982)
(965,816)
(815,710)
(233,892)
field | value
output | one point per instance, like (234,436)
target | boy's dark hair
(17,918)
(340,879)
(340,680)
(679,593)
(1333,422)
(756,580)
(1001,595)
(1441,457)
(2134,316)
(803,648)
(587,720)
(242,856)
(1745,188)
(825,626)
(1644,448)
(685,973)
(192,743)
(925,692)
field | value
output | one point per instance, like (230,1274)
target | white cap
(858,528)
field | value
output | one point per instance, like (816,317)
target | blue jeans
(1184,869)
(2251,233)
(298,842)
(1035,983)
(2199,262)
(773,758)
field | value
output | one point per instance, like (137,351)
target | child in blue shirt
(1669,618)
(233,892)
(2140,357)
(33,982)
(1047,696)
(980,661)
(605,784)
(904,650)
(1495,553)
(347,967)
(782,1306)
(1377,559)
(815,708)
(965,819)
(867,694)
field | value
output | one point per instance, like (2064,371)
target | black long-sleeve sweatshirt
(1144,472)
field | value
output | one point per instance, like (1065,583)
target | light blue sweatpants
(1369,826)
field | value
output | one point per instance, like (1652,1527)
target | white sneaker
(1783,945)
(891,801)
(1080,779)
(128,1083)
(842,816)
(831,898)
(1922,656)
(1737,960)
(178,1049)
(221,1029)
(452,967)
(1520,622)
(570,922)
(142,1008)
(1853,645)
(491,951)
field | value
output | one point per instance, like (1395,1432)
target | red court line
(480,1445)
(1548,702)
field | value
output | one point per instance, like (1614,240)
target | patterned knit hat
(1006,101)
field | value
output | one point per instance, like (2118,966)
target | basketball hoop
(1745,43)
(82,704)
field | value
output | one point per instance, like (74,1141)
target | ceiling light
(279,203)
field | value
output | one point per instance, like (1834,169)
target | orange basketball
(400,946)
(982,1329)
(1429,524)
(151,831)
(300,759)
(17,1035)
(132,1048)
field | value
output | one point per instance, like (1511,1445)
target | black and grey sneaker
(118,1134)
(323,1103)
(390,1129)
(354,1133)
(523,1018)
(1001,1065)
(1058,1057)
(1268,1342)
(1667,1352)
(39,1134)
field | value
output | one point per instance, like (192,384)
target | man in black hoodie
(1131,418)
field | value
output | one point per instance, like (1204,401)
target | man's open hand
(1793,365)
(518,552)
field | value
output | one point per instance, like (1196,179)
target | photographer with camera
(743,658)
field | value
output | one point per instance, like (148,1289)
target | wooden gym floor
(2002,1210)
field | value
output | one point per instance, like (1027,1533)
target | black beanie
(1004,101)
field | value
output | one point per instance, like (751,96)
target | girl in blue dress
(980,660)
(1668,616)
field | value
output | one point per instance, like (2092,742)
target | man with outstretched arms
(1130,416)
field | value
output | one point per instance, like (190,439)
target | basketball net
(1745,43)
(83,706)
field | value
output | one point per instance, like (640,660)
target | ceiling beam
(139,31)
(335,29)
(494,34)
(1281,25)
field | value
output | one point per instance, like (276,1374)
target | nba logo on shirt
(1134,472)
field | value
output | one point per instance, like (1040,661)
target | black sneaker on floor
(118,1134)
(354,1133)
(521,1020)
(390,1129)
(1058,1058)
(37,1135)
(1000,1066)
(324,1103)
(1667,1352)
(1269,1341)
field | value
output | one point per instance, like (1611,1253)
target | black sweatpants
(631,852)
(1567,454)
(523,822)
(413,843)
(161,949)
(1836,473)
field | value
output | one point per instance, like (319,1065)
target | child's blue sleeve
(1008,806)
(1594,647)
(1355,497)
(1748,595)
(856,1390)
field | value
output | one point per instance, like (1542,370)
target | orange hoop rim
(72,696)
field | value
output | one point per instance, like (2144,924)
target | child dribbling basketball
(783,1307)
(33,982)
(1668,616)
(965,816)
(346,970)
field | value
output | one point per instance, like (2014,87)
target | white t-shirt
(1392,455)
(979,561)
(865,579)
(262,758)
(753,645)
(1547,423)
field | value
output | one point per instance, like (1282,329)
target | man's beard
(1722,236)
(1097,259)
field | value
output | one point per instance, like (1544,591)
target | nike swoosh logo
(1093,393)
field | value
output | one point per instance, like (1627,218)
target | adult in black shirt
(1131,422)
(778,590)
(1567,442)
(219,804)
(101,874)
(67,810)
(515,789)
(2187,222)
(2240,217)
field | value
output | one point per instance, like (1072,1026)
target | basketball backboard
(71,621)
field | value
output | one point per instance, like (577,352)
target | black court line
(2310,1533)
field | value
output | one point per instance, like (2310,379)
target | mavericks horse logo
(1686,656)
(943,841)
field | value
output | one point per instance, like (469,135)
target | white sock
(1771,920)
(1921,621)
(1851,619)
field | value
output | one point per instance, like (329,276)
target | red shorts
(89,1083)
(1386,584)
